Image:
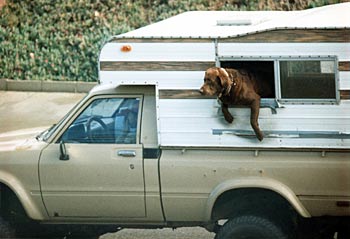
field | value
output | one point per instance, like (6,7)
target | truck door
(102,175)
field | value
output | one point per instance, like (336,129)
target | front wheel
(6,231)
(250,227)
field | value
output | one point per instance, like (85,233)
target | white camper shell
(306,53)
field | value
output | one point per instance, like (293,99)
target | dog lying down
(237,87)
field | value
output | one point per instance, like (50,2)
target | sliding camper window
(307,79)
(293,79)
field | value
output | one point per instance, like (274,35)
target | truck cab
(106,142)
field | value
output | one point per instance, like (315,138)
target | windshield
(45,135)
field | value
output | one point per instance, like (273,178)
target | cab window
(106,120)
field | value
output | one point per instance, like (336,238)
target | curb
(46,86)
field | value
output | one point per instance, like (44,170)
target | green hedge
(61,40)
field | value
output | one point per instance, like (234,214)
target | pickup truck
(101,168)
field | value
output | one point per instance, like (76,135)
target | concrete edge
(46,86)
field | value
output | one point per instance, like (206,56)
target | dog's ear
(225,80)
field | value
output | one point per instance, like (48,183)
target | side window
(107,120)
(308,79)
(263,70)
(294,79)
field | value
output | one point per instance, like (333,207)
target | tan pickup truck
(102,165)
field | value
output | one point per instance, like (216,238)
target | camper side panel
(297,123)
(188,121)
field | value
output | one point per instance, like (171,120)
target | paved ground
(21,110)
(181,233)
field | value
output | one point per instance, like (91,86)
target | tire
(6,231)
(250,227)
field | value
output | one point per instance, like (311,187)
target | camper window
(307,79)
(299,79)
(262,68)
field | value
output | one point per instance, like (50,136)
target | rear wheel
(250,227)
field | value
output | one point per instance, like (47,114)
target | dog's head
(217,81)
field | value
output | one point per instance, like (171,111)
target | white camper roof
(224,24)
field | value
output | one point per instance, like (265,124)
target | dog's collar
(223,91)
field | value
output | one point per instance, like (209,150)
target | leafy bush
(61,40)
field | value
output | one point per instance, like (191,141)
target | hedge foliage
(61,39)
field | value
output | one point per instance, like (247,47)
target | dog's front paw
(260,136)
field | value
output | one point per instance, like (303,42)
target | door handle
(127,153)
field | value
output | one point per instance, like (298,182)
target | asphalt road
(181,233)
(22,110)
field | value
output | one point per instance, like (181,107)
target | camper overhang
(232,24)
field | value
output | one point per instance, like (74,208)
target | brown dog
(236,87)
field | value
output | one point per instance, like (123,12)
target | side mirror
(63,152)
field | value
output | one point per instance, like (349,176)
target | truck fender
(256,182)
(30,207)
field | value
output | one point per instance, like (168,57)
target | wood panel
(274,35)
(155,66)
(294,35)
(194,94)
(344,66)
(174,66)
(183,94)
(345,94)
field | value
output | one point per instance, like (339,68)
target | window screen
(311,79)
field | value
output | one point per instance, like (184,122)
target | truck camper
(304,54)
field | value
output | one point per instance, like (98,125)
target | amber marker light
(126,48)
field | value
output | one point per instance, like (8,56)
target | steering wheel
(95,137)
